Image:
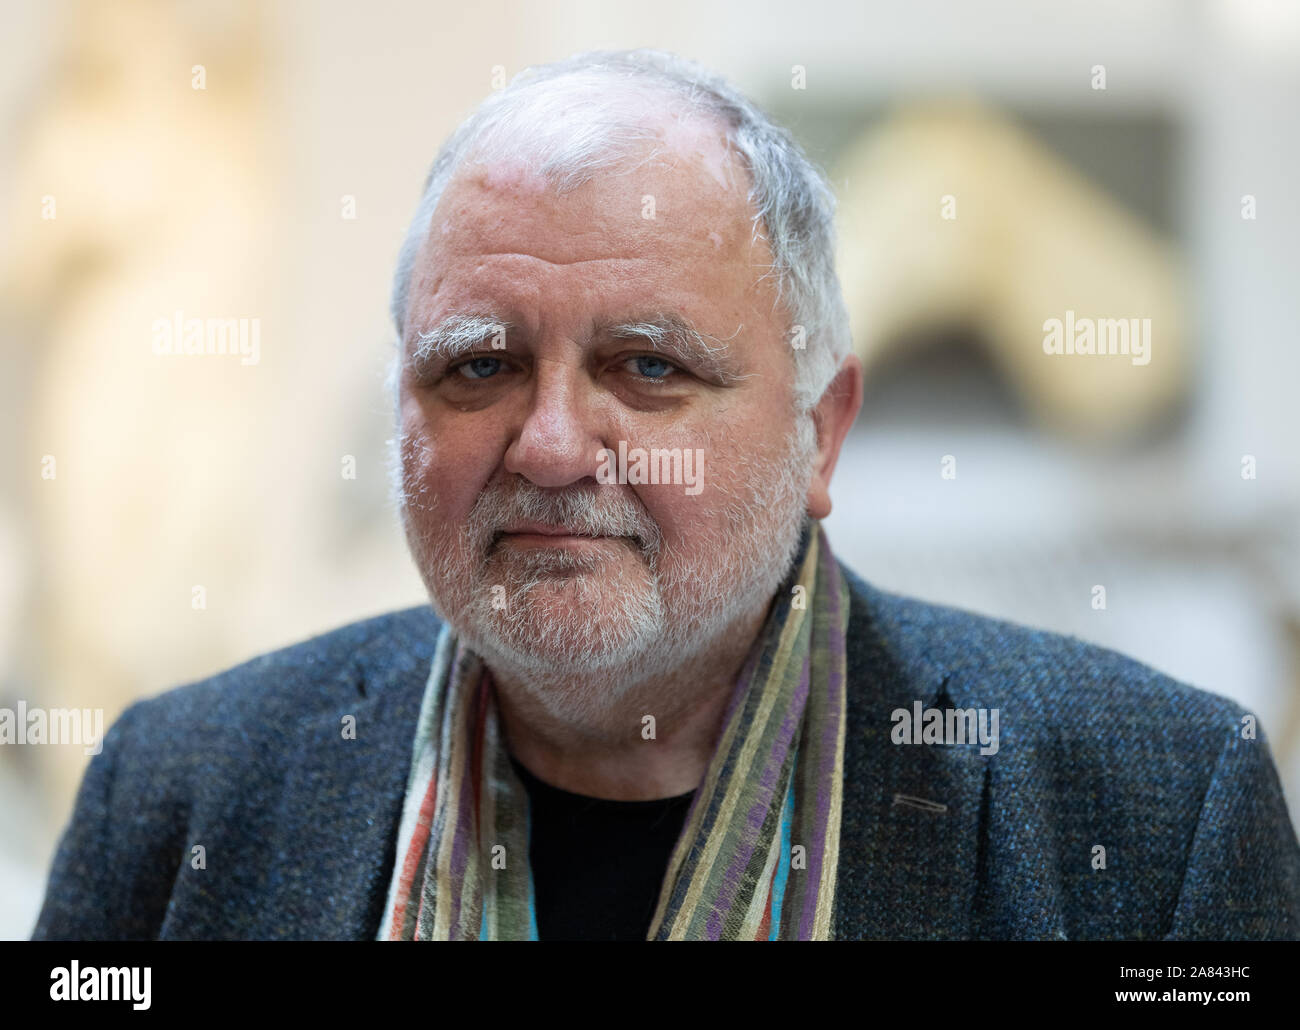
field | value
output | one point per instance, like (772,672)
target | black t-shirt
(598,865)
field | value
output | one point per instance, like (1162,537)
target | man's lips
(539,534)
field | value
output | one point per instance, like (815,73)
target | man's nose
(556,444)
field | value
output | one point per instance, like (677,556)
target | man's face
(525,547)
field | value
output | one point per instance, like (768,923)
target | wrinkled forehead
(671,211)
(661,197)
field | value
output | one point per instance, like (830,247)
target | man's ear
(833,415)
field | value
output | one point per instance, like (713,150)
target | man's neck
(656,742)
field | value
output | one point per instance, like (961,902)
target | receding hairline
(474,168)
(616,118)
(620,130)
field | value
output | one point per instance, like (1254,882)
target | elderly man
(652,704)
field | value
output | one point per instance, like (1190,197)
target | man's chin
(560,617)
(549,647)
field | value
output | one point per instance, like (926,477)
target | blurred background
(998,164)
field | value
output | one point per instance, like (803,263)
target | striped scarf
(757,857)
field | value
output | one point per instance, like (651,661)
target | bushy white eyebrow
(456,336)
(672,335)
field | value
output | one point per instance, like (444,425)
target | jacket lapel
(913,831)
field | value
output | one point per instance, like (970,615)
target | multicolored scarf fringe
(757,857)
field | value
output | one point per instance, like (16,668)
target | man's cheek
(683,520)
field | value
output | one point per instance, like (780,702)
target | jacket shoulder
(1088,746)
(1001,663)
(248,720)
(206,760)
(294,682)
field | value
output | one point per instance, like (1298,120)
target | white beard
(579,641)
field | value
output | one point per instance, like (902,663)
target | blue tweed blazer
(299,825)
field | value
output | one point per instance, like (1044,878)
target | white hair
(588,112)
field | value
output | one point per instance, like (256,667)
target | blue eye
(652,367)
(479,368)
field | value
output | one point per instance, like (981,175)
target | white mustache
(590,512)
